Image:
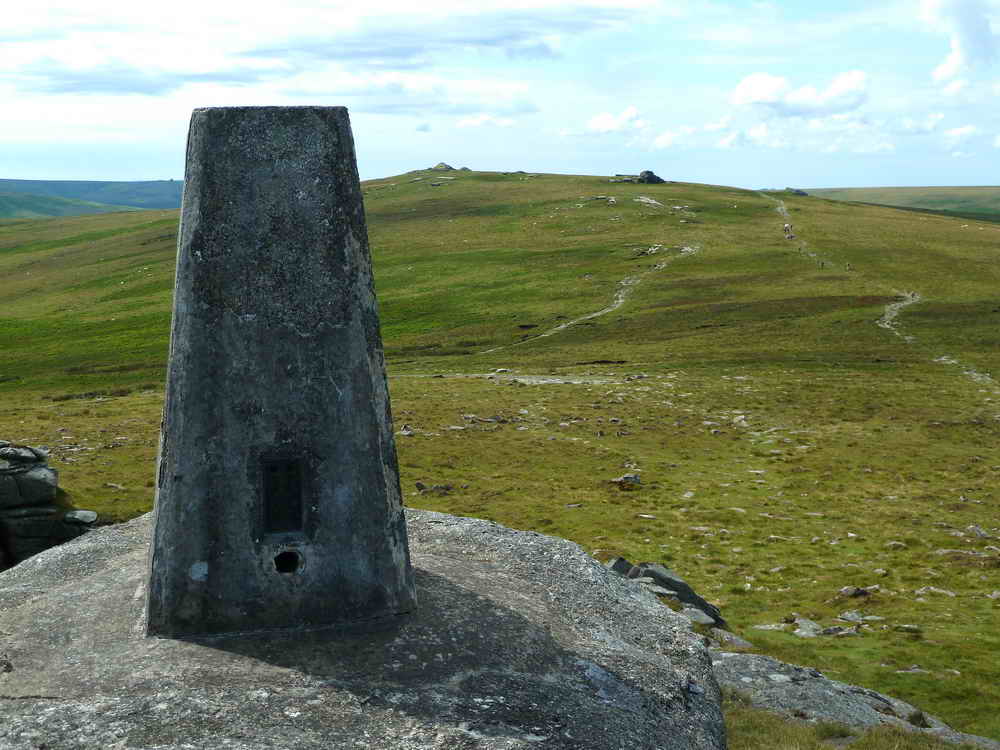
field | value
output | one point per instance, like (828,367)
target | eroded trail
(625,287)
(888,320)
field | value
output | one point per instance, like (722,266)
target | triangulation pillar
(277,499)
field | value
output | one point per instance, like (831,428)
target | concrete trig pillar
(277,500)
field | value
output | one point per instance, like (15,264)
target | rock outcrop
(645,177)
(804,693)
(30,520)
(648,177)
(520,640)
(664,582)
(798,693)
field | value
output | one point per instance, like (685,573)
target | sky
(733,92)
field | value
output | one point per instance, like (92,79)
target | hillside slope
(148,194)
(804,414)
(971,202)
(26,206)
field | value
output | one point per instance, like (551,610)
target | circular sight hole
(288,561)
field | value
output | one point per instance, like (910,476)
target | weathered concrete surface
(275,364)
(521,640)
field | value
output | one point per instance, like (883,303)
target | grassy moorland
(26,206)
(150,194)
(971,202)
(804,414)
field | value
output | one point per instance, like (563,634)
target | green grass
(147,194)
(748,729)
(26,206)
(981,203)
(783,438)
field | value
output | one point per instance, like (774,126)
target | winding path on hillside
(625,287)
(888,319)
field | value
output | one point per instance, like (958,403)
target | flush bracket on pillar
(283,485)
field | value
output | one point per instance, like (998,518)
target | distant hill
(26,206)
(967,202)
(146,194)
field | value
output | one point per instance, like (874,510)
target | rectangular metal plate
(282,486)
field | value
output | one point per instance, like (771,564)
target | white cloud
(669,138)
(955,86)
(759,88)
(846,132)
(846,91)
(114,47)
(734,140)
(410,92)
(967,23)
(927,125)
(957,135)
(485,119)
(759,133)
(721,124)
(606,122)
(996,142)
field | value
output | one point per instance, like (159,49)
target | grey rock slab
(727,640)
(660,591)
(804,693)
(698,617)
(13,455)
(521,641)
(82,517)
(10,494)
(28,511)
(37,485)
(47,525)
(923,591)
(619,565)
(838,630)
(806,628)
(670,580)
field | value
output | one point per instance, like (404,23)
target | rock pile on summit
(648,177)
(645,177)
(29,519)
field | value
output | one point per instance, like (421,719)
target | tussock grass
(783,438)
